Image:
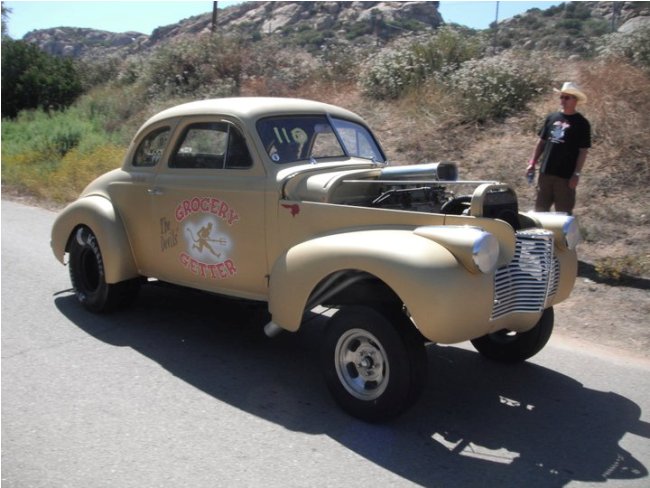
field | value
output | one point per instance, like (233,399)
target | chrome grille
(553,281)
(524,284)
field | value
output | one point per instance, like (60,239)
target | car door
(132,196)
(209,203)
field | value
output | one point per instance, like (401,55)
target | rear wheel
(88,276)
(374,363)
(511,347)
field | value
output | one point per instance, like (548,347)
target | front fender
(99,215)
(426,276)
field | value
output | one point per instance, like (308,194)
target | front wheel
(89,279)
(374,363)
(510,347)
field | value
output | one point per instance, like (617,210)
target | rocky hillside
(85,43)
(302,23)
(571,26)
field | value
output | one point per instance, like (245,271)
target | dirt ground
(607,314)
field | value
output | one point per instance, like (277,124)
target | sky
(145,16)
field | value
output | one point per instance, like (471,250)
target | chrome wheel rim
(361,364)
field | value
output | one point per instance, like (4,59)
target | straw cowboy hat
(571,88)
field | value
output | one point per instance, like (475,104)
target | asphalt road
(183,390)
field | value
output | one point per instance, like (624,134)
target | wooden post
(214,17)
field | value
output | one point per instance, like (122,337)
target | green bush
(112,109)
(358,29)
(391,74)
(577,10)
(34,79)
(206,67)
(337,62)
(36,146)
(52,135)
(495,87)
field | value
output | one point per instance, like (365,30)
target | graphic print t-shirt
(565,135)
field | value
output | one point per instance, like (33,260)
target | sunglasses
(566,97)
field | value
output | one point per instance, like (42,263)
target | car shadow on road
(477,424)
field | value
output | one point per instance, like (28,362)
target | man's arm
(580,163)
(537,152)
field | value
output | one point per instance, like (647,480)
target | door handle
(154,191)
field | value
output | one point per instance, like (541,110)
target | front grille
(553,281)
(524,284)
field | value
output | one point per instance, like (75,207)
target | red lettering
(214,204)
(179,213)
(205,204)
(230,266)
(218,271)
(211,205)
(195,204)
(233,217)
(223,208)
(222,271)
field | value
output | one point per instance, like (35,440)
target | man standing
(564,140)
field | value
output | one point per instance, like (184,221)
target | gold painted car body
(278,232)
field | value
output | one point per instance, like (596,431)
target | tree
(5,18)
(33,79)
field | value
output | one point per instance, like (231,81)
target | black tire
(511,347)
(374,363)
(88,277)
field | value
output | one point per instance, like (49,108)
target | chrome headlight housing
(475,248)
(485,252)
(571,232)
(565,227)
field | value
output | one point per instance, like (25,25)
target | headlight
(571,232)
(485,252)
(565,227)
(477,249)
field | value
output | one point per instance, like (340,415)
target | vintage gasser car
(291,202)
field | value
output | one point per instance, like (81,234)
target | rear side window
(211,145)
(151,148)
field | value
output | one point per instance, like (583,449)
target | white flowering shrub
(497,86)
(390,74)
(634,47)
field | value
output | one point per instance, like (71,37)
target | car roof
(251,109)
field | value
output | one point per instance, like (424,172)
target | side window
(203,146)
(238,156)
(211,145)
(151,148)
(325,144)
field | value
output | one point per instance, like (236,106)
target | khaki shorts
(554,190)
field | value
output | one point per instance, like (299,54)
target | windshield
(294,138)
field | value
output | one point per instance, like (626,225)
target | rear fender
(98,214)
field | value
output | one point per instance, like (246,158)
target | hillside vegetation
(438,93)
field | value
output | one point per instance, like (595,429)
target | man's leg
(544,198)
(565,197)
